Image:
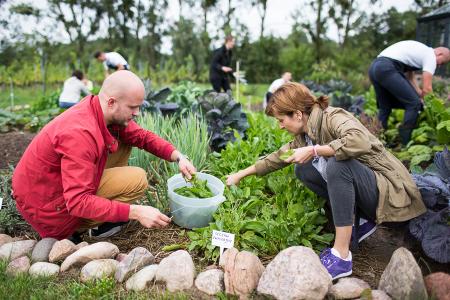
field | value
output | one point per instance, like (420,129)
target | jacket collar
(110,142)
(314,124)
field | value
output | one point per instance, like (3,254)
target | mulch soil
(369,261)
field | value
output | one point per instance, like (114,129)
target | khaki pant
(119,182)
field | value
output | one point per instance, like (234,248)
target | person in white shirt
(392,76)
(112,61)
(286,77)
(74,87)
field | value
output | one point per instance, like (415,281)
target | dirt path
(12,146)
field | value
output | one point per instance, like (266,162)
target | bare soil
(368,262)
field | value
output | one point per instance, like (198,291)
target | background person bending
(392,76)
(111,61)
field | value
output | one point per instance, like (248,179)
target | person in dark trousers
(392,76)
(220,66)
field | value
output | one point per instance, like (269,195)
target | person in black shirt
(220,66)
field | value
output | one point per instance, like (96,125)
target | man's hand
(301,155)
(186,167)
(148,216)
(227,69)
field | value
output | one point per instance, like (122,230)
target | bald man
(75,175)
(392,76)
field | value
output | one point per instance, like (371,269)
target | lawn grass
(28,287)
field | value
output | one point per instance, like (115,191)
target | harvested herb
(287,154)
(199,189)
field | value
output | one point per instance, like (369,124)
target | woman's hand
(301,155)
(233,179)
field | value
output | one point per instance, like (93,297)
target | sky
(279,17)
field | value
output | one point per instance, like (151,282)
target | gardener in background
(73,88)
(111,61)
(340,160)
(286,77)
(392,76)
(74,174)
(220,66)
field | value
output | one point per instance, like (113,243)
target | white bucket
(194,212)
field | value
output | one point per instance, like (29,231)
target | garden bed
(368,264)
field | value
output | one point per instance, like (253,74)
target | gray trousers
(349,182)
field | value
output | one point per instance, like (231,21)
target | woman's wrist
(315,153)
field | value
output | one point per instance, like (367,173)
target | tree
(316,29)
(153,19)
(262,10)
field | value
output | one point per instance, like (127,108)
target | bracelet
(315,150)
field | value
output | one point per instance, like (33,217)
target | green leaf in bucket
(199,189)
(287,154)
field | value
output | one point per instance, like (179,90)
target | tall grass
(189,135)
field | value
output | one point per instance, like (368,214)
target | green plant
(268,213)
(224,117)
(10,219)
(189,135)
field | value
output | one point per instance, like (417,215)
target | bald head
(442,55)
(122,85)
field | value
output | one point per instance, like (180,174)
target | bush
(11,222)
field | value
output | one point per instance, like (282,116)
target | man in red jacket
(74,174)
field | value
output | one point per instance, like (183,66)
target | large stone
(43,269)
(13,250)
(42,249)
(210,281)
(379,295)
(98,269)
(137,258)
(295,273)
(438,285)
(84,255)
(121,256)
(61,250)
(140,280)
(81,245)
(18,266)
(4,239)
(242,271)
(177,270)
(348,288)
(402,278)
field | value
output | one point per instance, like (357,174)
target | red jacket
(56,180)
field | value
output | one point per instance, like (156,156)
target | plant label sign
(222,239)
(1,202)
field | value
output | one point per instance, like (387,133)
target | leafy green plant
(224,117)
(189,135)
(268,213)
(198,189)
(10,219)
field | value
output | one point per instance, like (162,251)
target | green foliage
(269,213)
(197,189)
(224,117)
(10,219)
(189,135)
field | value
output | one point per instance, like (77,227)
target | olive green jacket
(399,198)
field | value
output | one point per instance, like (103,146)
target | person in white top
(392,76)
(286,77)
(74,87)
(112,61)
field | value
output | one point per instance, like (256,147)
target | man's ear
(111,101)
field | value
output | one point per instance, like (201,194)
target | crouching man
(74,174)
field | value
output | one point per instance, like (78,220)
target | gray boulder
(98,269)
(86,254)
(18,266)
(177,271)
(13,250)
(42,249)
(295,273)
(43,269)
(210,281)
(348,288)
(402,278)
(4,239)
(140,280)
(137,258)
